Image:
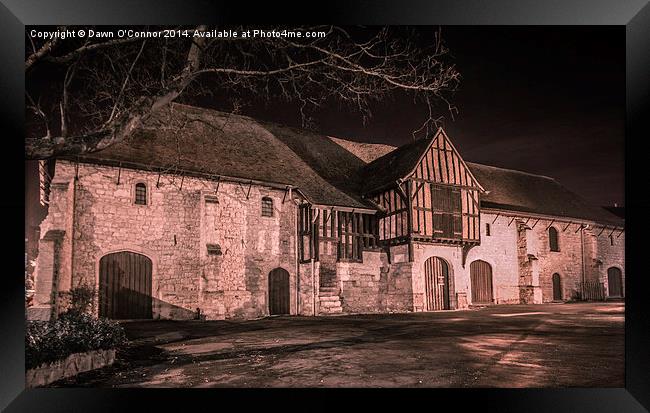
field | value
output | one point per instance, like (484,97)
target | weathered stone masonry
(212,248)
(173,230)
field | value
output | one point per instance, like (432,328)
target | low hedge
(72,332)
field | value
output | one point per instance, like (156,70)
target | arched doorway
(436,281)
(278,291)
(481,280)
(125,286)
(557,287)
(615,282)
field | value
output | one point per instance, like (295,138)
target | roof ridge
(512,170)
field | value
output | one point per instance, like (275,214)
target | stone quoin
(203,214)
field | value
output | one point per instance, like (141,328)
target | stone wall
(93,216)
(608,256)
(500,250)
(173,230)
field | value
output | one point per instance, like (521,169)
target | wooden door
(278,291)
(125,286)
(557,287)
(615,282)
(436,280)
(481,280)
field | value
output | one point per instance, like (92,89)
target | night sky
(546,100)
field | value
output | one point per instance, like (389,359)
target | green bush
(72,332)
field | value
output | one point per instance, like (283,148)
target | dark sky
(548,100)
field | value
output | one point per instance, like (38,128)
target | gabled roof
(401,163)
(207,141)
(328,170)
(518,191)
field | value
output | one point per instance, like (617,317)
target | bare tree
(87,94)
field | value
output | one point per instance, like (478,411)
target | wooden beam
(513,218)
(409,219)
(526,222)
(601,231)
(579,228)
(182,180)
(535,224)
(250,184)
(549,225)
(567,226)
(401,191)
(417,189)
(216,190)
(620,233)
(119,173)
(613,229)
(495,218)
(285,194)
(158,180)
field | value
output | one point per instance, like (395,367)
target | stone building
(214,215)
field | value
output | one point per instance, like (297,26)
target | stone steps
(329,300)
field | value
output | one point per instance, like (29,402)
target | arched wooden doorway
(557,287)
(615,282)
(125,286)
(481,280)
(278,291)
(436,280)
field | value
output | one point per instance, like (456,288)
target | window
(487,230)
(447,217)
(552,239)
(267,207)
(140,194)
(611,240)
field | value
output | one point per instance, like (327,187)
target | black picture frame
(633,14)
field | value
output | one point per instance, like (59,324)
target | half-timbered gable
(427,193)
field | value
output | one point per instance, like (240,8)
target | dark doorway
(557,287)
(481,280)
(436,279)
(278,291)
(615,282)
(125,286)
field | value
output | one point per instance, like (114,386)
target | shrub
(82,298)
(72,332)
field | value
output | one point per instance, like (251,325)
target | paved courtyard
(550,345)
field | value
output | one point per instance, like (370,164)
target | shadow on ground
(551,345)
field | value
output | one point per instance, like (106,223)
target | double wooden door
(125,286)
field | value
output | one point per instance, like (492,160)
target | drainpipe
(295,246)
(313,265)
(582,258)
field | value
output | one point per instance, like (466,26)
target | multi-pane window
(267,207)
(553,239)
(140,194)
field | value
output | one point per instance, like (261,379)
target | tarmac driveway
(550,345)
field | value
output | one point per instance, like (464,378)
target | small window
(487,230)
(552,239)
(140,194)
(611,240)
(267,207)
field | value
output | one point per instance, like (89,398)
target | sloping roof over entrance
(328,170)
